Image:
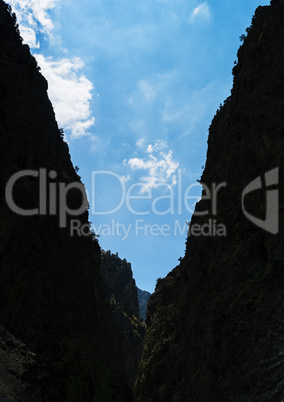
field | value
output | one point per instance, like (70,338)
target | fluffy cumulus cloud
(201,12)
(159,165)
(29,36)
(69,90)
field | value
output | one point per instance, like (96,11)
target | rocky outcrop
(215,324)
(51,292)
(120,285)
(143,297)
(14,356)
(122,296)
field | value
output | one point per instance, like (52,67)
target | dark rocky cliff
(51,294)
(120,285)
(123,300)
(215,327)
(143,297)
(14,356)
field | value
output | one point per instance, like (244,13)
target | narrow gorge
(70,326)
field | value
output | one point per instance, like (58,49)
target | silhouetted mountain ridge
(52,297)
(215,327)
(122,295)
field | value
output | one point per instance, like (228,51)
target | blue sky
(135,85)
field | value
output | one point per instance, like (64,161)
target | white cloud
(80,128)
(140,142)
(201,12)
(158,146)
(29,36)
(161,166)
(32,16)
(69,92)
(149,149)
(125,179)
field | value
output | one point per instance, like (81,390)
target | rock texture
(143,297)
(215,324)
(122,296)
(120,285)
(50,285)
(14,355)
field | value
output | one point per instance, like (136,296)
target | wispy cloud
(125,179)
(33,17)
(149,90)
(140,142)
(160,165)
(69,90)
(201,12)
(158,146)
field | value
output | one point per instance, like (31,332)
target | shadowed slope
(50,285)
